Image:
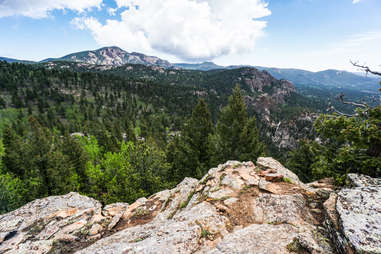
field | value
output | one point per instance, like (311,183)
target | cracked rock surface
(354,216)
(235,208)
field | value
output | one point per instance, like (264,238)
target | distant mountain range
(326,79)
(11,60)
(115,56)
(205,66)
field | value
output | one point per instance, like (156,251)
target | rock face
(235,208)
(113,56)
(63,222)
(354,216)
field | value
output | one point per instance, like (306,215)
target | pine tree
(76,156)
(15,158)
(236,136)
(188,153)
(196,134)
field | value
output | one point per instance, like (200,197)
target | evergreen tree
(236,136)
(77,157)
(196,133)
(12,193)
(15,158)
(189,152)
(3,103)
(301,159)
(348,144)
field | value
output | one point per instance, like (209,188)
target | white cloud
(356,1)
(41,8)
(112,11)
(123,3)
(188,29)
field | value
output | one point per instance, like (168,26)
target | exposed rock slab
(354,216)
(270,163)
(233,209)
(225,212)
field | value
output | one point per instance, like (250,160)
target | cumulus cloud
(355,1)
(41,8)
(112,11)
(188,29)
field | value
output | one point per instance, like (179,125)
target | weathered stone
(279,209)
(359,211)
(330,210)
(117,217)
(268,186)
(220,194)
(233,209)
(363,180)
(230,201)
(267,162)
(233,182)
(274,177)
(178,235)
(257,238)
(354,216)
(95,229)
(115,209)
(45,219)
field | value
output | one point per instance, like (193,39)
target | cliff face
(112,56)
(236,208)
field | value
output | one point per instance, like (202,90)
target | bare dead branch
(361,105)
(365,68)
(332,108)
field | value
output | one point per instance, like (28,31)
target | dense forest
(119,135)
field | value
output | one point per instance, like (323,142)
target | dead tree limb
(361,105)
(366,69)
(333,109)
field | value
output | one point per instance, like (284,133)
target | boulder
(226,212)
(354,216)
(54,224)
(270,163)
(235,208)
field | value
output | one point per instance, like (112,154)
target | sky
(305,34)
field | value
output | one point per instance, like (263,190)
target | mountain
(12,60)
(235,208)
(325,79)
(111,56)
(205,66)
(301,78)
(328,79)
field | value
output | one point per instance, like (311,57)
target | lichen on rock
(236,208)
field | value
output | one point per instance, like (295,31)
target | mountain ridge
(116,57)
(13,60)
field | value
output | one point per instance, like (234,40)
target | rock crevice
(235,208)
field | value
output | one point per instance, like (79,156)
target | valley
(117,126)
(190,127)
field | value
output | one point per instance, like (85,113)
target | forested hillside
(117,134)
(110,137)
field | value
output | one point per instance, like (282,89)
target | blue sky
(306,34)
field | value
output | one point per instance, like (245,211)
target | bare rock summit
(235,208)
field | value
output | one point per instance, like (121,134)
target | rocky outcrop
(235,208)
(57,222)
(112,56)
(286,134)
(354,216)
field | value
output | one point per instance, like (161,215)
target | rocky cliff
(112,56)
(236,208)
